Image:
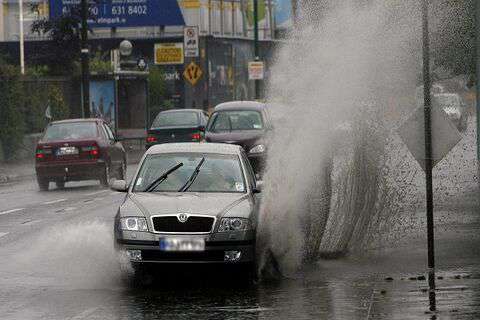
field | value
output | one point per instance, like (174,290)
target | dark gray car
(190,203)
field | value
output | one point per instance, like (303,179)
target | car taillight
(151,139)
(196,136)
(91,150)
(40,154)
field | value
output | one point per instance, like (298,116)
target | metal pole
(256,44)
(22,39)
(428,155)
(85,62)
(477,59)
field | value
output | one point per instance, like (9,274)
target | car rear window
(71,131)
(235,121)
(174,119)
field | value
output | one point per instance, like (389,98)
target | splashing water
(341,83)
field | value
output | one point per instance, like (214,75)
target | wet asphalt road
(57,262)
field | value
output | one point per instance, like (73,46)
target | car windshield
(71,131)
(218,173)
(236,120)
(174,119)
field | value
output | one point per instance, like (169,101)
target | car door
(115,148)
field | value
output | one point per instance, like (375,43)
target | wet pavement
(57,262)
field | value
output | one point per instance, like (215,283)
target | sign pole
(84,61)
(428,156)
(256,44)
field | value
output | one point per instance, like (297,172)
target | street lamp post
(22,39)
(84,60)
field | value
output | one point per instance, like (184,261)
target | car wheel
(43,184)
(60,184)
(122,175)
(105,179)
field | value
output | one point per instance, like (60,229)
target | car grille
(194,224)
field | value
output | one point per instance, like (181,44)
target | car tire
(43,184)
(105,178)
(60,184)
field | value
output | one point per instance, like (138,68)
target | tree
(11,116)
(65,34)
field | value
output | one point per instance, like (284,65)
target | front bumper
(216,245)
(70,171)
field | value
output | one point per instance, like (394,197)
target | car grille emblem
(182,217)
(173,136)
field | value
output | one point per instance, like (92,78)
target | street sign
(193,73)
(256,70)
(190,42)
(169,53)
(444,135)
(114,13)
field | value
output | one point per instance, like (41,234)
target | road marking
(55,201)
(3,234)
(95,193)
(11,211)
(99,198)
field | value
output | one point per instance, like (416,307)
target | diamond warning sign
(193,73)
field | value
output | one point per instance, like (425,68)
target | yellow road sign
(193,73)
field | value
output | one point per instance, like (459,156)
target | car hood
(214,204)
(246,139)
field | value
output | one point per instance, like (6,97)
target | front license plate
(182,244)
(65,151)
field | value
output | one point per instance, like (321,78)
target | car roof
(77,120)
(195,147)
(241,105)
(182,110)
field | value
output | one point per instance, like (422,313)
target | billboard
(102,101)
(114,13)
(283,14)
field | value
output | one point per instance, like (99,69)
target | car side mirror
(119,185)
(259,187)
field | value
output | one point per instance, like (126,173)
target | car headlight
(234,224)
(258,149)
(133,224)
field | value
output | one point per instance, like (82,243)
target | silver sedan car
(189,203)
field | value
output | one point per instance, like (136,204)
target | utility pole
(85,62)
(22,38)
(428,155)
(256,44)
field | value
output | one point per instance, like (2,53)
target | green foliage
(11,115)
(99,64)
(58,106)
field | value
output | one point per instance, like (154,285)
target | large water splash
(342,82)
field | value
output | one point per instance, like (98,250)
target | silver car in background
(190,203)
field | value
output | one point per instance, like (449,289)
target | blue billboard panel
(102,101)
(125,13)
(283,14)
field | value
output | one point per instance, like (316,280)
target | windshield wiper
(162,178)
(194,175)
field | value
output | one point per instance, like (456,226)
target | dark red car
(79,149)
